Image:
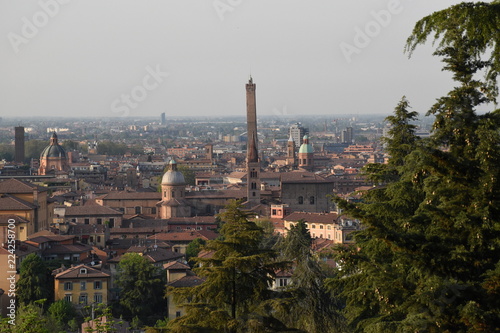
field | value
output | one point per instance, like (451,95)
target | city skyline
(117,59)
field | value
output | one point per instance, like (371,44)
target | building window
(254,186)
(199,228)
(283,282)
(137,209)
(311,200)
(329,227)
(112,223)
(99,221)
(274,212)
(68,298)
(83,285)
(301,200)
(68,285)
(313,226)
(253,194)
(97,298)
(173,194)
(83,271)
(86,221)
(321,226)
(98,239)
(177,314)
(97,285)
(83,299)
(153,210)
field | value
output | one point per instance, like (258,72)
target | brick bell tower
(253,164)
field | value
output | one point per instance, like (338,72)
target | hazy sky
(193,57)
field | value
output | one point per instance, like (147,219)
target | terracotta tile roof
(206,254)
(186,281)
(25,248)
(131,196)
(79,228)
(303,177)
(75,273)
(185,236)
(4,219)
(49,238)
(175,265)
(91,210)
(9,202)
(192,220)
(228,194)
(68,249)
(327,218)
(155,255)
(18,186)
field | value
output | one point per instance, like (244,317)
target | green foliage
(6,152)
(189,175)
(237,279)
(475,22)
(61,311)
(33,148)
(194,247)
(35,281)
(141,289)
(103,321)
(427,260)
(70,145)
(306,303)
(108,147)
(30,319)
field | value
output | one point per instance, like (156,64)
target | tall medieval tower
(253,164)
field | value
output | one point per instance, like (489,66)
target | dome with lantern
(172,176)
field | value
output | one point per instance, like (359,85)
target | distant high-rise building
(297,132)
(19,144)
(347,135)
(253,164)
(163,119)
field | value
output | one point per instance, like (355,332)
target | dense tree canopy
(305,303)
(237,280)
(35,281)
(428,259)
(141,289)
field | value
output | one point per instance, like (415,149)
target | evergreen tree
(141,289)
(34,280)
(306,303)
(237,280)
(428,257)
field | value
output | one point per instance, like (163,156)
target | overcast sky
(193,57)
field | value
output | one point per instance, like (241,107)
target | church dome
(172,176)
(54,149)
(306,147)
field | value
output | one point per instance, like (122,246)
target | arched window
(301,200)
(311,200)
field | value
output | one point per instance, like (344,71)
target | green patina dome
(306,147)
